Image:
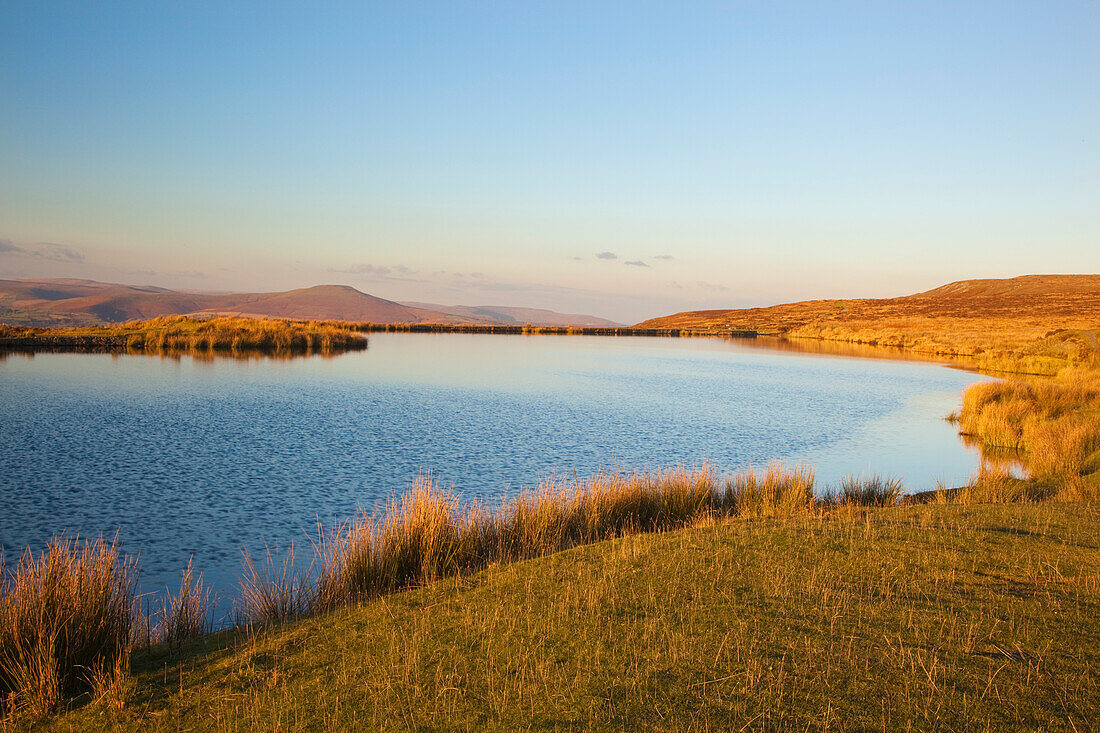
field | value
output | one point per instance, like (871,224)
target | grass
(911,617)
(1033,325)
(66,623)
(174,334)
(426,535)
(1052,426)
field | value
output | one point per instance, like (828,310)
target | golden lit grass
(186,614)
(425,535)
(1031,324)
(902,618)
(856,490)
(223,334)
(1053,425)
(66,618)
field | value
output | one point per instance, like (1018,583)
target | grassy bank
(1035,324)
(1051,426)
(180,334)
(918,617)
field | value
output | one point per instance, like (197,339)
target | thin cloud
(607,256)
(636,263)
(43,250)
(664,257)
(58,252)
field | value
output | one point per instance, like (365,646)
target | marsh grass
(66,619)
(425,535)
(1053,425)
(273,590)
(874,490)
(187,614)
(217,335)
(902,618)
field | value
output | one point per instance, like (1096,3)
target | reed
(220,335)
(1053,425)
(187,614)
(425,535)
(66,619)
(272,590)
(874,490)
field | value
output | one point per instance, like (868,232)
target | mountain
(71,302)
(503,314)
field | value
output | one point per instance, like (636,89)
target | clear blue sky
(736,153)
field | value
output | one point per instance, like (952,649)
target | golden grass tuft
(425,535)
(874,490)
(187,614)
(66,619)
(1053,425)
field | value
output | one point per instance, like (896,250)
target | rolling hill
(965,317)
(69,302)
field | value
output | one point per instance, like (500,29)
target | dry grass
(875,490)
(903,618)
(1052,425)
(66,619)
(171,334)
(186,614)
(425,535)
(1032,324)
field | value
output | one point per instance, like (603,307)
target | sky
(626,160)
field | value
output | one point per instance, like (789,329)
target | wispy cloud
(636,263)
(664,257)
(59,252)
(607,256)
(43,250)
(376,272)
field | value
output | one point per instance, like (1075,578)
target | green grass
(912,617)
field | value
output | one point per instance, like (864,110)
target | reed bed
(200,336)
(178,333)
(1053,425)
(425,534)
(66,620)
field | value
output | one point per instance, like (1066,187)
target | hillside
(923,618)
(69,302)
(1028,315)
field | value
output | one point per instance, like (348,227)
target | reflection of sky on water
(186,457)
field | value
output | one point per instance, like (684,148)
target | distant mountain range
(68,302)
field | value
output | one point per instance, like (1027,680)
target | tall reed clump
(1054,425)
(874,490)
(776,490)
(273,590)
(66,619)
(425,535)
(187,614)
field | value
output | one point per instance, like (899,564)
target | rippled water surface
(190,457)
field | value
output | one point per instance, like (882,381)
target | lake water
(200,457)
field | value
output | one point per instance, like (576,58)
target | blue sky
(725,154)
